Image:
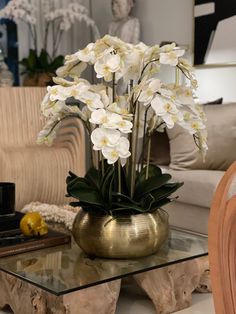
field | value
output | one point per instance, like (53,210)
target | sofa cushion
(187,216)
(221,128)
(199,186)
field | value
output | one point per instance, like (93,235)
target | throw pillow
(221,128)
(160,149)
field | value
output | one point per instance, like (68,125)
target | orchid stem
(114,88)
(177,76)
(134,149)
(102,162)
(148,157)
(119,177)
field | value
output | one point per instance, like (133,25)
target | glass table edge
(99,282)
(70,290)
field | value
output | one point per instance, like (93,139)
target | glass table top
(66,268)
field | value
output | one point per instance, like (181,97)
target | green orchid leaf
(108,170)
(166,190)
(56,63)
(94,177)
(71,177)
(129,206)
(44,60)
(116,212)
(150,185)
(147,202)
(107,186)
(81,189)
(90,207)
(121,197)
(32,60)
(160,203)
(125,185)
(153,171)
(77,183)
(75,204)
(24,62)
(86,196)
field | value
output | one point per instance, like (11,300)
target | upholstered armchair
(38,171)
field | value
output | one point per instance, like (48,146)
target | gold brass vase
(125,237)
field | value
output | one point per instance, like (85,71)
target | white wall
(172,20)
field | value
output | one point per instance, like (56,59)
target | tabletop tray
(12,242)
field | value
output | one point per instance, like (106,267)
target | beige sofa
(176,153)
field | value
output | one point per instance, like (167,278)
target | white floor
(130,303)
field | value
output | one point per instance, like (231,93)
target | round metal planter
(126,237)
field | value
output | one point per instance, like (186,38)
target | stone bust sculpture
(125,26)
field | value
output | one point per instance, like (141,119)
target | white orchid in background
(114,122)
(46,38)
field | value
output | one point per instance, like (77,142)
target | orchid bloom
(149,90)
(121,150)
(172,57)
(102,137)
(112,117)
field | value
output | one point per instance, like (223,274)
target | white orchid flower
(58,92)
(104,98)
(62,81)
(99,117)
(87,54)
(172,57)
(156,124)
(121,150)
(167,110)
(168,47)
(48,133)
(104,92)
(92,100)
(125,126)
(110,120)
(45,138)
(152,53)
(77,91)
(123,112)
(54,108)
(193,126)
(149,90)
(110,43)
(107,65)
(46,105)
(86,113)
(72,59)
(133,64)
(184,95)
(72,70)
(102,137)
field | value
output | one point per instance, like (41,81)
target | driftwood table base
(170,289)
(24,298)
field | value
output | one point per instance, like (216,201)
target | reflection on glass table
(64,269)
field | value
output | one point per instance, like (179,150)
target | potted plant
(40,65)
(122,194)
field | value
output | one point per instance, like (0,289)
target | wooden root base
(24,298)
(170,289)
